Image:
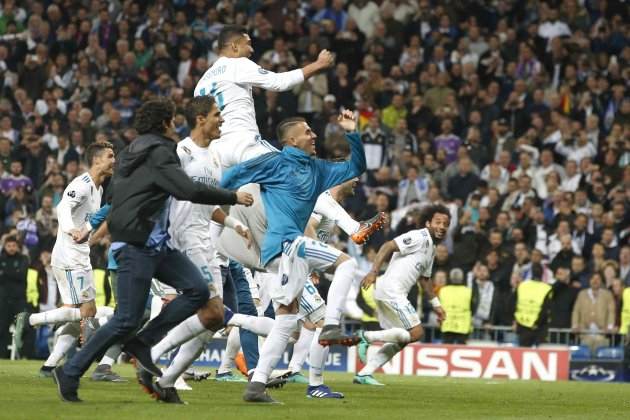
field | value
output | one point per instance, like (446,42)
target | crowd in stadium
(515,114)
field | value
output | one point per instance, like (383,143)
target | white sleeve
(251,73)
(428,269)
(73,195)
(409,242)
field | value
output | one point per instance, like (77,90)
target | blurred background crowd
(515,114)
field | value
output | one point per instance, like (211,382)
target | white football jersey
(230,82)
(81,199)
(413,260)
(189,225)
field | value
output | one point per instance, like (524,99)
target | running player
(411,260)
(291,181)
(190,233)
(71,253)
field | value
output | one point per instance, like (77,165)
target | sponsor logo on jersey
(285,279)
(72,194)
(187,150)
(262,71)
(407,241)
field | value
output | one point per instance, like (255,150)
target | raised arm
(251,73)
(336,173)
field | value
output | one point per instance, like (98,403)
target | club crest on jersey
(72,194)
(407,241)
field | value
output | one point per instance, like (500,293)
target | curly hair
(431,210)
(152,116)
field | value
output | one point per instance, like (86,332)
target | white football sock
(106,360)
(392,335)
(64,343)
(189,328)
(274,346)
(327,206)
(54,316)
(111,355)
(381,357)
(317,360)
(188,352)
(344,275)
(231,349)
(300,349)
(259,325)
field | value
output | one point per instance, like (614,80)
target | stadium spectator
(533,96)
(13,268)
(594,314)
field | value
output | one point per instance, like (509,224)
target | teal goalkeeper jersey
(290,182)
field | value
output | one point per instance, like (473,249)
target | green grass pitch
(23,395)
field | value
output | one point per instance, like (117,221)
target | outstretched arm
(172,179)
(251,73)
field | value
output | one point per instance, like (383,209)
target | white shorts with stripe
(75,286)
(209,268)
(299,258)
(396,313)
(312,306)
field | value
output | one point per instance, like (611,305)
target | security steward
(457,300)
(533,304)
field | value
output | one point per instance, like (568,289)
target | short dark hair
(199,105)
(537,271)
(432,210)
(151,116)
(11,238)
(96,149)
(228,33)
(285,125)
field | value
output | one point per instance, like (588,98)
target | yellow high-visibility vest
(368,297)
(625,311)
(456,301)
(32,294)
(99,282)
(531,295)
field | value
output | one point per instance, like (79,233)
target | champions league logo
(593,373)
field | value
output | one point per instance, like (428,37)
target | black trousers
(529,337)
(11,304)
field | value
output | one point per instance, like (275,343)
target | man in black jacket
(13,272)
(147,174)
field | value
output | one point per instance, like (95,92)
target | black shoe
(255,393)
(67,386)
(46,371)
(142,353)
(168,395)
(277,382)
(332,334)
